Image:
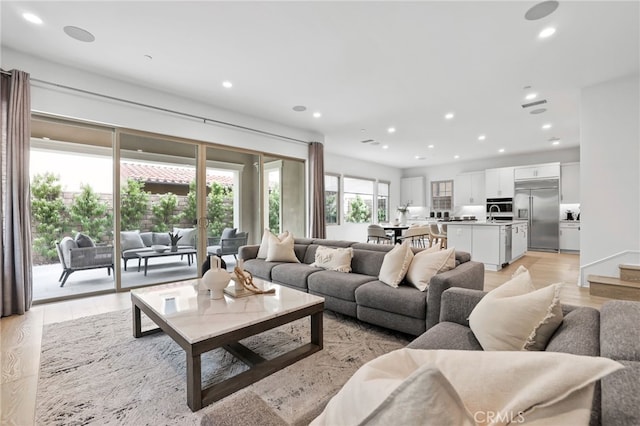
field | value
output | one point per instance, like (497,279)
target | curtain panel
(15,118)
(318,221)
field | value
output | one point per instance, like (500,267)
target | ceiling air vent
(367,141)
(540,102)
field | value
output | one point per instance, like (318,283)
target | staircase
(626,287)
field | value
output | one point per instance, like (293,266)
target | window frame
(437,200)
(338,199)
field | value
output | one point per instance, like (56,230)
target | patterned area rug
(93,371)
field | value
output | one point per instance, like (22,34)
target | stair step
(629,272)
(613,288)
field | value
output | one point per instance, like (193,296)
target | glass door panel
(158,210)
(284,189)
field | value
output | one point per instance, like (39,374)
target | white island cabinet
(569,236)
(487,241)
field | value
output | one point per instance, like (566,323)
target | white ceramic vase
(216,279)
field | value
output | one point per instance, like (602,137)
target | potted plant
(174,237)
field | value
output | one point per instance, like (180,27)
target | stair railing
(607,265)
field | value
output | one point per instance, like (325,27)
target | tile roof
(154,173)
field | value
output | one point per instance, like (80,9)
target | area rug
(92,371)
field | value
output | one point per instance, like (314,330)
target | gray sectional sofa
(611,332)
(359,293)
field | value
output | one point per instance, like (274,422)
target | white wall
(66,103)
(609,164)
(352,167)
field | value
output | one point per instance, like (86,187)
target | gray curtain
(15,214)
(316,162)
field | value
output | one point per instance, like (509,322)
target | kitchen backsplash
(573,208)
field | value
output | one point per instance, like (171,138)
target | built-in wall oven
(500,209)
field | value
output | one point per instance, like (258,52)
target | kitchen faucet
(491,211)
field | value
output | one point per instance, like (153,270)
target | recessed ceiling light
(555,143)
(541,10)
(317,114)
(79,34)
(501,150)
(44,138)
(481,137)
(385,146)
(227,84)
(448,115)
(538,111)
(139,150)
(456,156)
(32,18)
(531,96)
(419,157)
(299,108)
(431,146)
(391,129)
(546,126)
(547,32)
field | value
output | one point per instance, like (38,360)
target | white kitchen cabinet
(519,240)
(499,183)
(485,246)
(412,191)
(569,236)
(539,171)
(468,189)
(460,237)
(570,183)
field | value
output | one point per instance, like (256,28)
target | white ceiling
(364,65)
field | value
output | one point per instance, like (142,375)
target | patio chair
(74,258)
(227,246)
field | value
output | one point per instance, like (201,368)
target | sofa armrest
(457,303)
(248,252)
(86,257)
(466,275)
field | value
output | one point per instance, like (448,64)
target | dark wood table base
(259,368)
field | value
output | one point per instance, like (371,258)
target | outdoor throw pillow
(281,250)
(515,316)
(84,240)
(428,263)
(264,245)
(228,233)
(334,259)
(188,236)
(395,264)
(130,240)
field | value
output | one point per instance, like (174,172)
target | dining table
(397,230)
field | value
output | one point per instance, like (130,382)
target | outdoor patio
(160,270)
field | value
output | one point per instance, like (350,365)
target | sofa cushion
(367,262)
(578,334)
(619,395)
(333,259)
(83,240)
(147,238)
(337,284)
(404,299)
(617,339)
(293,274)
(515,316)
(429,262)
(130,240)
(395,264)
(332,243)
(260,268)
(447,335)
(188,236)
(162,239)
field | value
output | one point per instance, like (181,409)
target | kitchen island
(493,243)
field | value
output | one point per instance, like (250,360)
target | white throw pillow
(188,236)
(130,240)
(264,244)
(515,316)
(428,263)
(281,251)
(334,259)
(552,388)
(395,264)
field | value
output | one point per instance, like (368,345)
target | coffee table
(222,324)
(146,255)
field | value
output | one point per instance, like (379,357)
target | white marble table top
(196,317)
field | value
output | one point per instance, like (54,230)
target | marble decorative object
(216,279)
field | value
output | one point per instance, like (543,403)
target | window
(331,190)
(358,200)
(441,194)
(383,202)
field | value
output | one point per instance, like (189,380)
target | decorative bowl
(159,248)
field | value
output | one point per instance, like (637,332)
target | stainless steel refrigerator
(538,202)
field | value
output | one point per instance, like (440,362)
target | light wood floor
(21,335)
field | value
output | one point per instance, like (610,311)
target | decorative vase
(174,249)
(403,218)
(216,279)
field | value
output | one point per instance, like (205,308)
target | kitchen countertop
(484,223)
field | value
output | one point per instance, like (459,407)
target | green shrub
(359,211)
(49,214)
(190,213)
(274,210)
(133,204)
(90,215)
(219,208)
(164,216)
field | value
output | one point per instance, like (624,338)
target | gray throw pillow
(130,240)
(188,236)
(229,233)
(162,238)
(147,238)
(84,240)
